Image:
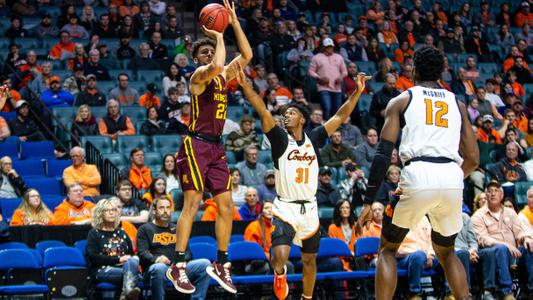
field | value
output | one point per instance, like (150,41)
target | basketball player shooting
(201,158)
(295,157)
(438,149)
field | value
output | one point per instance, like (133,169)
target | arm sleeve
(143,246)
(318,135)
(279,140)
(129,125)
(471,236)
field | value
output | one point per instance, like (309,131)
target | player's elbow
(217,68)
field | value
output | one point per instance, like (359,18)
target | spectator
(403,52)
(149,99)
(525,34)
(479,201)
(172,30)
(15,30)
(88,19)
(75,83)
(529,133)
(110,253)
(373,228)
(84,174)
(74,210)
(472,109)
(523,74)
(45,29)
(11,183)
(23,126)
(115,124)
(170,173)
(450,44)
(491,95)
(509,170)
(159,51)
(282,41)
(523,16)
(476,44)
(373,50)
(55,96)
(259,231)
(170,112)
(211,211)
(516,87)
(365,152)
(262,38)
(4,130)
(344,227)
(499,230)
(505,38)
(484,106)
(251,210)
(128,28)
(472,73)
(145,17)
(27,71)
(91,96)
(405,80)
(463,87)
(382,98)
(389,185)
(353,187)
(104,29)
(144,60)
(129,228)
(172,78)
(486,133)
(42,79)
(93,66)
(337,154)
(133,210)
(123,93)
(155,245)
(386,35)
(239,140)
(32,211)
(125,51)
(526,214)
(283,95)
(353,51)
(251,171)
(64,49)
(152,125)
(267,190)
(74,29)
(416,254)
(137,173)
(509,60)
(326,195)
(84,123)
(238,191)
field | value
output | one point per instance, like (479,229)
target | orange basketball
(214,16)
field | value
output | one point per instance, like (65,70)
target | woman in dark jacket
(152,125)
(84,123)
(390,184)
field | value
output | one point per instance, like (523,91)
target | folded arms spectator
(11,183)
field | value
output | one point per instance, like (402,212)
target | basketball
(215,17)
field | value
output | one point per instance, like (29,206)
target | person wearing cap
(93,66)
(267,190)
(486,133)
(476,44)
(450,44)
(23,126)
(337,154)
(55,95)
(149,98)
(46,29)
(524,15)
(326,194)
(90,95)
(354,186)
(328,69)
(77,82)
(64,49)
(500,231)
(238,140)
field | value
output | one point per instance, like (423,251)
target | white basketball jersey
(432,125)
(297,173)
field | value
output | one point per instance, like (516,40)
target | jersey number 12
(441,111)
(302,175)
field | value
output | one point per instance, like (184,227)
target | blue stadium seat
(8,207)
(64,114)
(44,245)
(99,111)
(330,247)
(149,76)
(230,157)
(126,143)
(166,144)
(29,167)
(203,239)
(203,250)
(13,245)
(104,144)
(296,252)
(325,213)
(10,149)
(52,201)
(12,259)
(368,67)
(37,150)
(81,245)
(520,192)
(236,238)
(235,113)
(44,185)
(367,246)
(116,159)
(364,103)
(264,156)
(63,257)
(135,113)
(8,116)
(55,167)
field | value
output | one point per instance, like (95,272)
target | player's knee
(309,259)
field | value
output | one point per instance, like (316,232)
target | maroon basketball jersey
(209,108)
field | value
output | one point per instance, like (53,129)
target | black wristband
(379,167)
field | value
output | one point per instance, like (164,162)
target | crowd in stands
(101,56)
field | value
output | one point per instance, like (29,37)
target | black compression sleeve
(378,169)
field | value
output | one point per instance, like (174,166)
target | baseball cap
(525,4)
(351,167)
(269,172)
(450,30)
(493,182)
(77,67)
(325,170)
(55,79)
(20,103)
(488,118)
(327,42)
(91,76)
(152,87)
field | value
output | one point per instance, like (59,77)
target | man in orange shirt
(524,16)
(138,174)
(115,124)
(211,211)
(405,81)
(74,210)
(64,49)
(149,99)
(486,133)
(374,228)
(283,95)
(84,174)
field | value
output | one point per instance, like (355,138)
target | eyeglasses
(108,210)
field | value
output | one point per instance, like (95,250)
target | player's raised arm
(468,145)
(267,121)
(216,66)
(346,109)
(242,42)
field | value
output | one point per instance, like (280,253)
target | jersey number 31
(441,109)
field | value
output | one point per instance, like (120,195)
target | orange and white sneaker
(281,288)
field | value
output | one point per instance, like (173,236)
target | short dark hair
(122,74)
(121,183)
(135,150)
(301,108)
(202,42)
(429,63)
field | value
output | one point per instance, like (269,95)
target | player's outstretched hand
(231,11)
(361,80)
(240,76)
(212,33)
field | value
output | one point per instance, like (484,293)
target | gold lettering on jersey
(295,155)
(165,238)
(220,97)
(431,93)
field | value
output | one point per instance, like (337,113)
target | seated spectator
(144,60)
(326,195)
(74,29)
(170,112)
(526,214)
(259,231)
(11,183)
(283,95)
(110,251)
(512,135)
(129,228)
(42,80)
(518,89)
(170,172)
(149,98)
(93,66)
(252,208)
(4,129)
(479,201)
(486,133)
(84,123)
(509,170)
(74,210)
(344,227)
(499,231)
(80,56)
(84,174)
(389,185)
(125,51)
(450,44)
(32,211)
(373,228)
(337,154)
(105,29)
(137,173)
(156,242)
(152,125)
(463,87)
(115,124)
(265,145)
(15,30)
(523,74)
(211,211)
(172,78)
(159,50)
(350,133)
(239,140)
(251,171)
(238,191)
(23,126)
(45,29)
(405,80)
(353,187)
(472,73)
(123,93)
(64,49)
(416,254)
(521,121)
(381,98)
(157,189)
(133,210)
(75,83)
(55,96)
(91,95)
(267,190)
(365,152)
